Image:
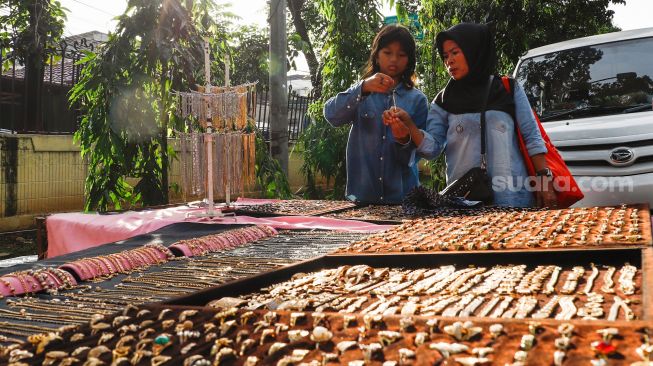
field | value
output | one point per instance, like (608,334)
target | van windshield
(596,80)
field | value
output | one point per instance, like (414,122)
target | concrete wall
(41,174)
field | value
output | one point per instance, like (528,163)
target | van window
(597,80)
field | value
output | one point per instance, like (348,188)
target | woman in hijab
(454,120)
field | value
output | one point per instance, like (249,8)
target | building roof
(64,71)
(53,74)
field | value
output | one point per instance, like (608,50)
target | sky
(89,15)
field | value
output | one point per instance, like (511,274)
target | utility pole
(278,84)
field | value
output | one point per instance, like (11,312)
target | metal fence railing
(45,109)
(297,112)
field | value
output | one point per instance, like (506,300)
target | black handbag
(475,185)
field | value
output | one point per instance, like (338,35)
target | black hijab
(468,94)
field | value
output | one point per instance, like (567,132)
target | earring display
(515,229)
(295,207)
(157,335)
(217,149)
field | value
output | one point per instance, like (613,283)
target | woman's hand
(545,193)
(378,83)
(399,122)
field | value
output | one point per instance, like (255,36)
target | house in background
(300,82)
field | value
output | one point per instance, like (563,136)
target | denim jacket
(459,135)
(379,169)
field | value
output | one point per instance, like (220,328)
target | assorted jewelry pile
(373,213)
(156,335)
(176,279)
(296,244)
(150,276)
(106,266)
(234,162)
(33,281)
(503,291)
(532,312)
(515,229)
(296,207)
(29,315)
(102,267)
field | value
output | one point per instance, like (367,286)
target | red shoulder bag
(567,190)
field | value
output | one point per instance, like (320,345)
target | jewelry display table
(500,287)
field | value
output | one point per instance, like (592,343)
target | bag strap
(483,127)
(507,83)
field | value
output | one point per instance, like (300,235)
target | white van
(594,97)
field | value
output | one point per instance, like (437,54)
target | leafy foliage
(125,89)
(250,55)
(125,93)
(520,25)
(29,28)
(307,34)
(269,175)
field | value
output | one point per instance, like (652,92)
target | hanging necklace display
(213,162)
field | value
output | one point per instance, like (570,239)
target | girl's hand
(378,83)
(401,115)
(399,128)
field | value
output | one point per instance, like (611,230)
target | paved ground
(18,243)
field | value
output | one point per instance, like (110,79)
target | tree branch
(295,7)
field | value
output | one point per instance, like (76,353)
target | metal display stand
(203,106)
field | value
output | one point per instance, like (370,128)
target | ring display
(183,336)
(515,229)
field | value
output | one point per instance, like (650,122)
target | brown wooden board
(565,259)
(606,227)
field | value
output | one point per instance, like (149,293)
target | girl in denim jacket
(387,116)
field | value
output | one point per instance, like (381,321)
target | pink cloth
(71,232)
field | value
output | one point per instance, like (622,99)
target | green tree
(309,35)
(351,26)
(30,29)
(518,26)
(251,49)
(125,94)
